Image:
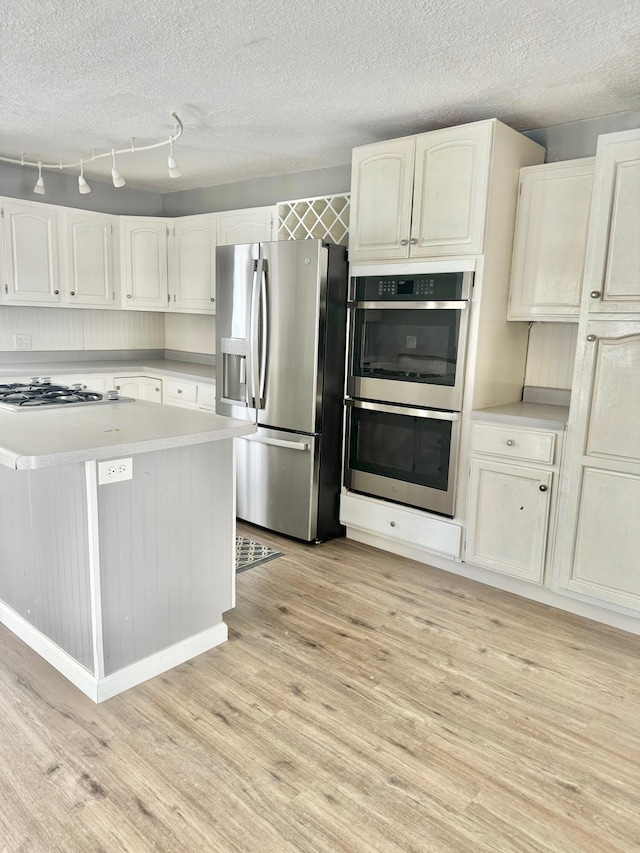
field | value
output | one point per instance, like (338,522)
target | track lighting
(83,186)
(116,177)
(39,187)
(174,171)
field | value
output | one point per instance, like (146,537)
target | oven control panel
(413,288)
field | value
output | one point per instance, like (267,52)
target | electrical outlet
(22,341)
(115,470)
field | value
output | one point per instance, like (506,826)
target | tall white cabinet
(600,548)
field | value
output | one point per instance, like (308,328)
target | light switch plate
(115,471)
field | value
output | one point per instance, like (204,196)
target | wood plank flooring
(364,702)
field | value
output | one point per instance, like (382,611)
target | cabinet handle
(510,442)
(56,292)
(392,524)
(179,390)
(117,387)
(404,242)
(212,299)
(591,338)
(72,293)
(595,294)
(542,488)
(157,389)
(413,241)
(128,296)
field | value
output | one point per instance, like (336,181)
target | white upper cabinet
(89,267)
(192,270)
(145,272)
(422,196)
(552,223)
(612,273)
(31,273)
(252,225)
(381,193)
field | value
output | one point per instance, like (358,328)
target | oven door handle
(429,414)
(457,305)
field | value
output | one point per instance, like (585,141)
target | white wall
(81,329)
(551,354)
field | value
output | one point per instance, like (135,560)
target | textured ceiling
(267,88)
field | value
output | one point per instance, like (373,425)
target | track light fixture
(116,177)
(83,186)
(39,187)
(174,171)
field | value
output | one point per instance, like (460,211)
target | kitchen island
(117,537)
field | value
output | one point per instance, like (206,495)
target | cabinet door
(31,253)
(612,277)
(600,558)
(193,265)
(253,225)
(450,191)
(381,187)
(508,518)
(139,387)
(550,243)
(89,269)
(144,263)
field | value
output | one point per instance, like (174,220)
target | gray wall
(579,138)
(258,192)
(18,182)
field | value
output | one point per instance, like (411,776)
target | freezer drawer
(277,482)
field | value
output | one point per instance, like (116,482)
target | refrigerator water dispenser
(234,371)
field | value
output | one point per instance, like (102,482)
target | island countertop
(45,438)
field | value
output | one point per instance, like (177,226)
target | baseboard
(99,689)
(541,594)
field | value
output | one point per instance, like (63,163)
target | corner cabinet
(145,270)
(511,498)
(552,223)
(139,387)
(602,542)
(30,232)
(421,196)
(612,271)
(192,265)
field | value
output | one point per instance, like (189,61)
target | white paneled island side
(114,581)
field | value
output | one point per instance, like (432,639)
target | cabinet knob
(510,442)
(591,338)
(404,242)
(56,292)
(212,299)
(72,293)
(128,296)
(179,390)
(392,524)
(117,387)
(157,389)
(413,241)
(543,488)
(595,294)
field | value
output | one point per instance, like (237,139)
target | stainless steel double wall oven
(407,342)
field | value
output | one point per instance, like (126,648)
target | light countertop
(44,438)
(535,415)
(155,367)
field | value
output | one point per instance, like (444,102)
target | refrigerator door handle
(262,271)
(278,442)
(252,385)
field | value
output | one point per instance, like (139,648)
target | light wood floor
(363,703)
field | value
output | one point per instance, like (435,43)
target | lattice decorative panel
(325,217)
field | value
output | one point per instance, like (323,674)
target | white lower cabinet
(178,392)
(139,387)
(100,382)
(511,499)
(206,397)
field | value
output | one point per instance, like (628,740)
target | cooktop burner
(40,393)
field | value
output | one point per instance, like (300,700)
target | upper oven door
(410,353)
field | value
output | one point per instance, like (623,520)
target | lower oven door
(402,454)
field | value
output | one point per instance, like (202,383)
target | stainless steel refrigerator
(280,344)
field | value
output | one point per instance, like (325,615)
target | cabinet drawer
(176,391)
(410,527)
(514,443)
(207,396)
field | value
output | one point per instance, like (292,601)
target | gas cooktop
(40,393)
